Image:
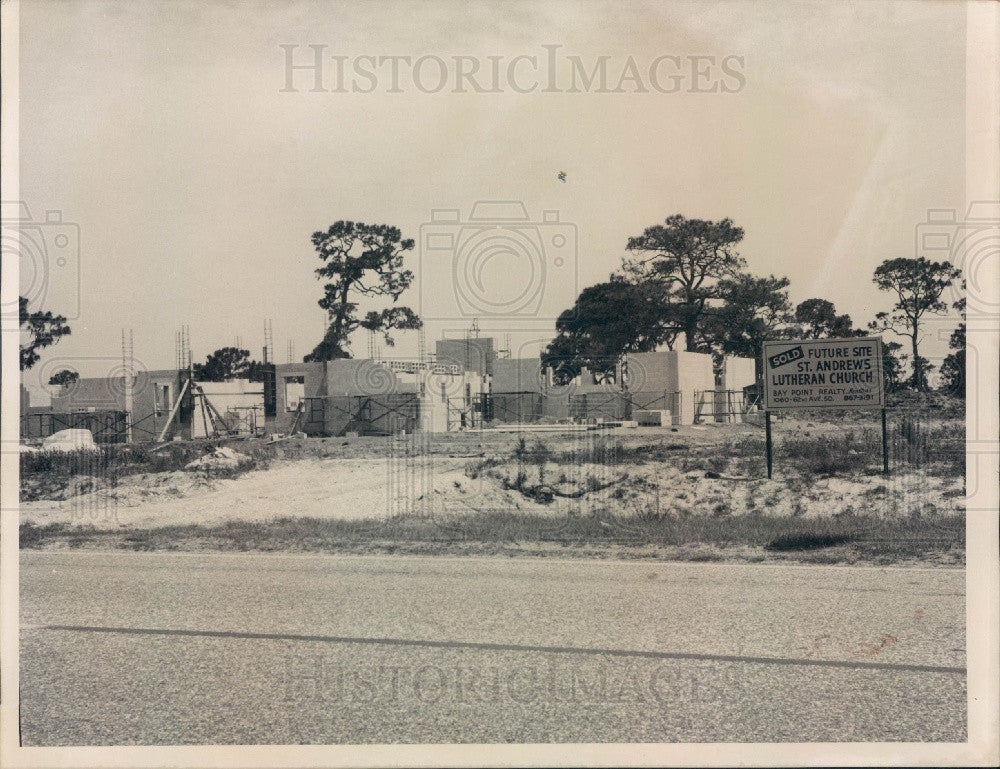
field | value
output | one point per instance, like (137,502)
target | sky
(165,132)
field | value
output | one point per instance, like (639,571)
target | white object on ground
(70,440)
(220,458)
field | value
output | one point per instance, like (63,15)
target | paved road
(143,648)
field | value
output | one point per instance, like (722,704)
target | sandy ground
(374,488)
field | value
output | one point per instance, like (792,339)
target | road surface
(168,649)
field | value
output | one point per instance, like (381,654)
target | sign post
(767,440)
(824,374)
(885,446)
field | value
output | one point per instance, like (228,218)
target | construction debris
(222,458)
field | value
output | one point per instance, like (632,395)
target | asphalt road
(146,649)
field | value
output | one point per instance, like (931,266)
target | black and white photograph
(507,383)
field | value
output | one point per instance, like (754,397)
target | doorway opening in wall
(295,391)
(162,399)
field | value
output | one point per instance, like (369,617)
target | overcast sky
(163,131)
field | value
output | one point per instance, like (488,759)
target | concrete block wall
(695,374)
(650,371)
(337,414)
(556,403)
(473,354)
(351,376)
(672,371)
(149,409)
(314,375)
(738,373)
(517,407)
(98,393)
(518,375)
(600,404)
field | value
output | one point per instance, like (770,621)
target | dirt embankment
(689,493)
(645,475)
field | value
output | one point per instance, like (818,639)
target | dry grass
(45,474)
(846,539)
(627,523)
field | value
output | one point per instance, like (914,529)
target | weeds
(827,455)
(846,539)
(807,541)
(45,473)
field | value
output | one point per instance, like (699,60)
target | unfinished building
(151,406)
(464,385)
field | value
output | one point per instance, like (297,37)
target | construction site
(464,384)
(449,449)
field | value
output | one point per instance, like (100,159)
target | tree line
(682,283)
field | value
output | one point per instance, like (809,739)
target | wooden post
(173,410)
(885,446)
(204,413)
(767,439)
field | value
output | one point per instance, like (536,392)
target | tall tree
(39,329)
(686,259)
(918,285)
(607,320)
(228,363)
(953,366)
(754,309)
(818,319)
(892,365)
(361,260)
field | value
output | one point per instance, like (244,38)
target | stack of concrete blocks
(652,418)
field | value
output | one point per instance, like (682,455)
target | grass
(809,541)
(852,451)
(45,472)
(918,441)
(846,539)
